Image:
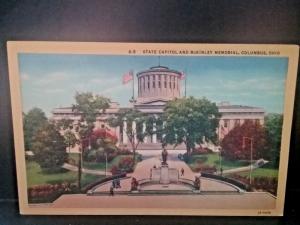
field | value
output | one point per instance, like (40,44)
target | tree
(132,117)
(188,120)
(49,148)
(70,139)
(236,144)
(273,125)
(88,106)
(32,121)
(65,126)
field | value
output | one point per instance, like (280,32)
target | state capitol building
(157,86)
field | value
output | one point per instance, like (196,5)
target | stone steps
(157,146)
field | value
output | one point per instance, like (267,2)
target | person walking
(182,172)
(111,191)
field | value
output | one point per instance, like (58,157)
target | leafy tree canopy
(133,118)
(32,121)
(188,120)
(236,144)
(49,147)
(273,125)
(88,106)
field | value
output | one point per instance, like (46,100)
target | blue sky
(51,80)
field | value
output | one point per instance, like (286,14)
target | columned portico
(144,130)
(125,140)
(154,137)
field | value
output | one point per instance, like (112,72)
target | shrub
(200,150)
(260,183)
(205,168)
(201,160)
(115,170)
(126,164)
(71,161)
(91,156)
(124,151)
(48,192)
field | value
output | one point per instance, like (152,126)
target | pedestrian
(118,183)
(182,172)
(111,190)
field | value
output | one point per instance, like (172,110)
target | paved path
(142,171)
(219,200)
(75,168)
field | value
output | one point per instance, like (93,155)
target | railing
(226,179)
(101,181)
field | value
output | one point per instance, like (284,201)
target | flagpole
(185,84)
(132,86)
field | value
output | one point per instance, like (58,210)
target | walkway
(255,165)
(142,171)
(214,199)
(75,169)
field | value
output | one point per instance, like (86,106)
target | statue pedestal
(164,175)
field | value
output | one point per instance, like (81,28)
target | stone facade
(156,87)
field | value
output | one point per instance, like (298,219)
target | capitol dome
(158,83)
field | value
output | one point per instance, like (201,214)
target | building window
(226,123)
(144,83)
(153,82)
(173,82)
(165,83)
(159,79)
(148,81)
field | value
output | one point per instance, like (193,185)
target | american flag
(127,77)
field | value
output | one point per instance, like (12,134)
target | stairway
(157,146)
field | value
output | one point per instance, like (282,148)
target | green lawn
(99,165)
(36,176)
(212,159)
(261,172)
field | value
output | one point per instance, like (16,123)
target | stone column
(134,131)
(144,130)
(124,132)
(118,134)
(154,139)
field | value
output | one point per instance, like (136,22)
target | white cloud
(54,91)
(51,78)
(25,76)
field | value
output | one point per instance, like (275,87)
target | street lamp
(105,163)
(220,162)
(251,153)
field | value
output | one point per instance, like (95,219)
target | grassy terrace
(213,159)
(36,176)
(261,172)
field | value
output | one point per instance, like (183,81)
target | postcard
(151,128)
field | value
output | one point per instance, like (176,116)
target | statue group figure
(164,155)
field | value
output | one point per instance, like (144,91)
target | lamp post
(105,164)
(251,154)
(220,162)
(80,163)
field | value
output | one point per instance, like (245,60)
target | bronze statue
(164,155)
